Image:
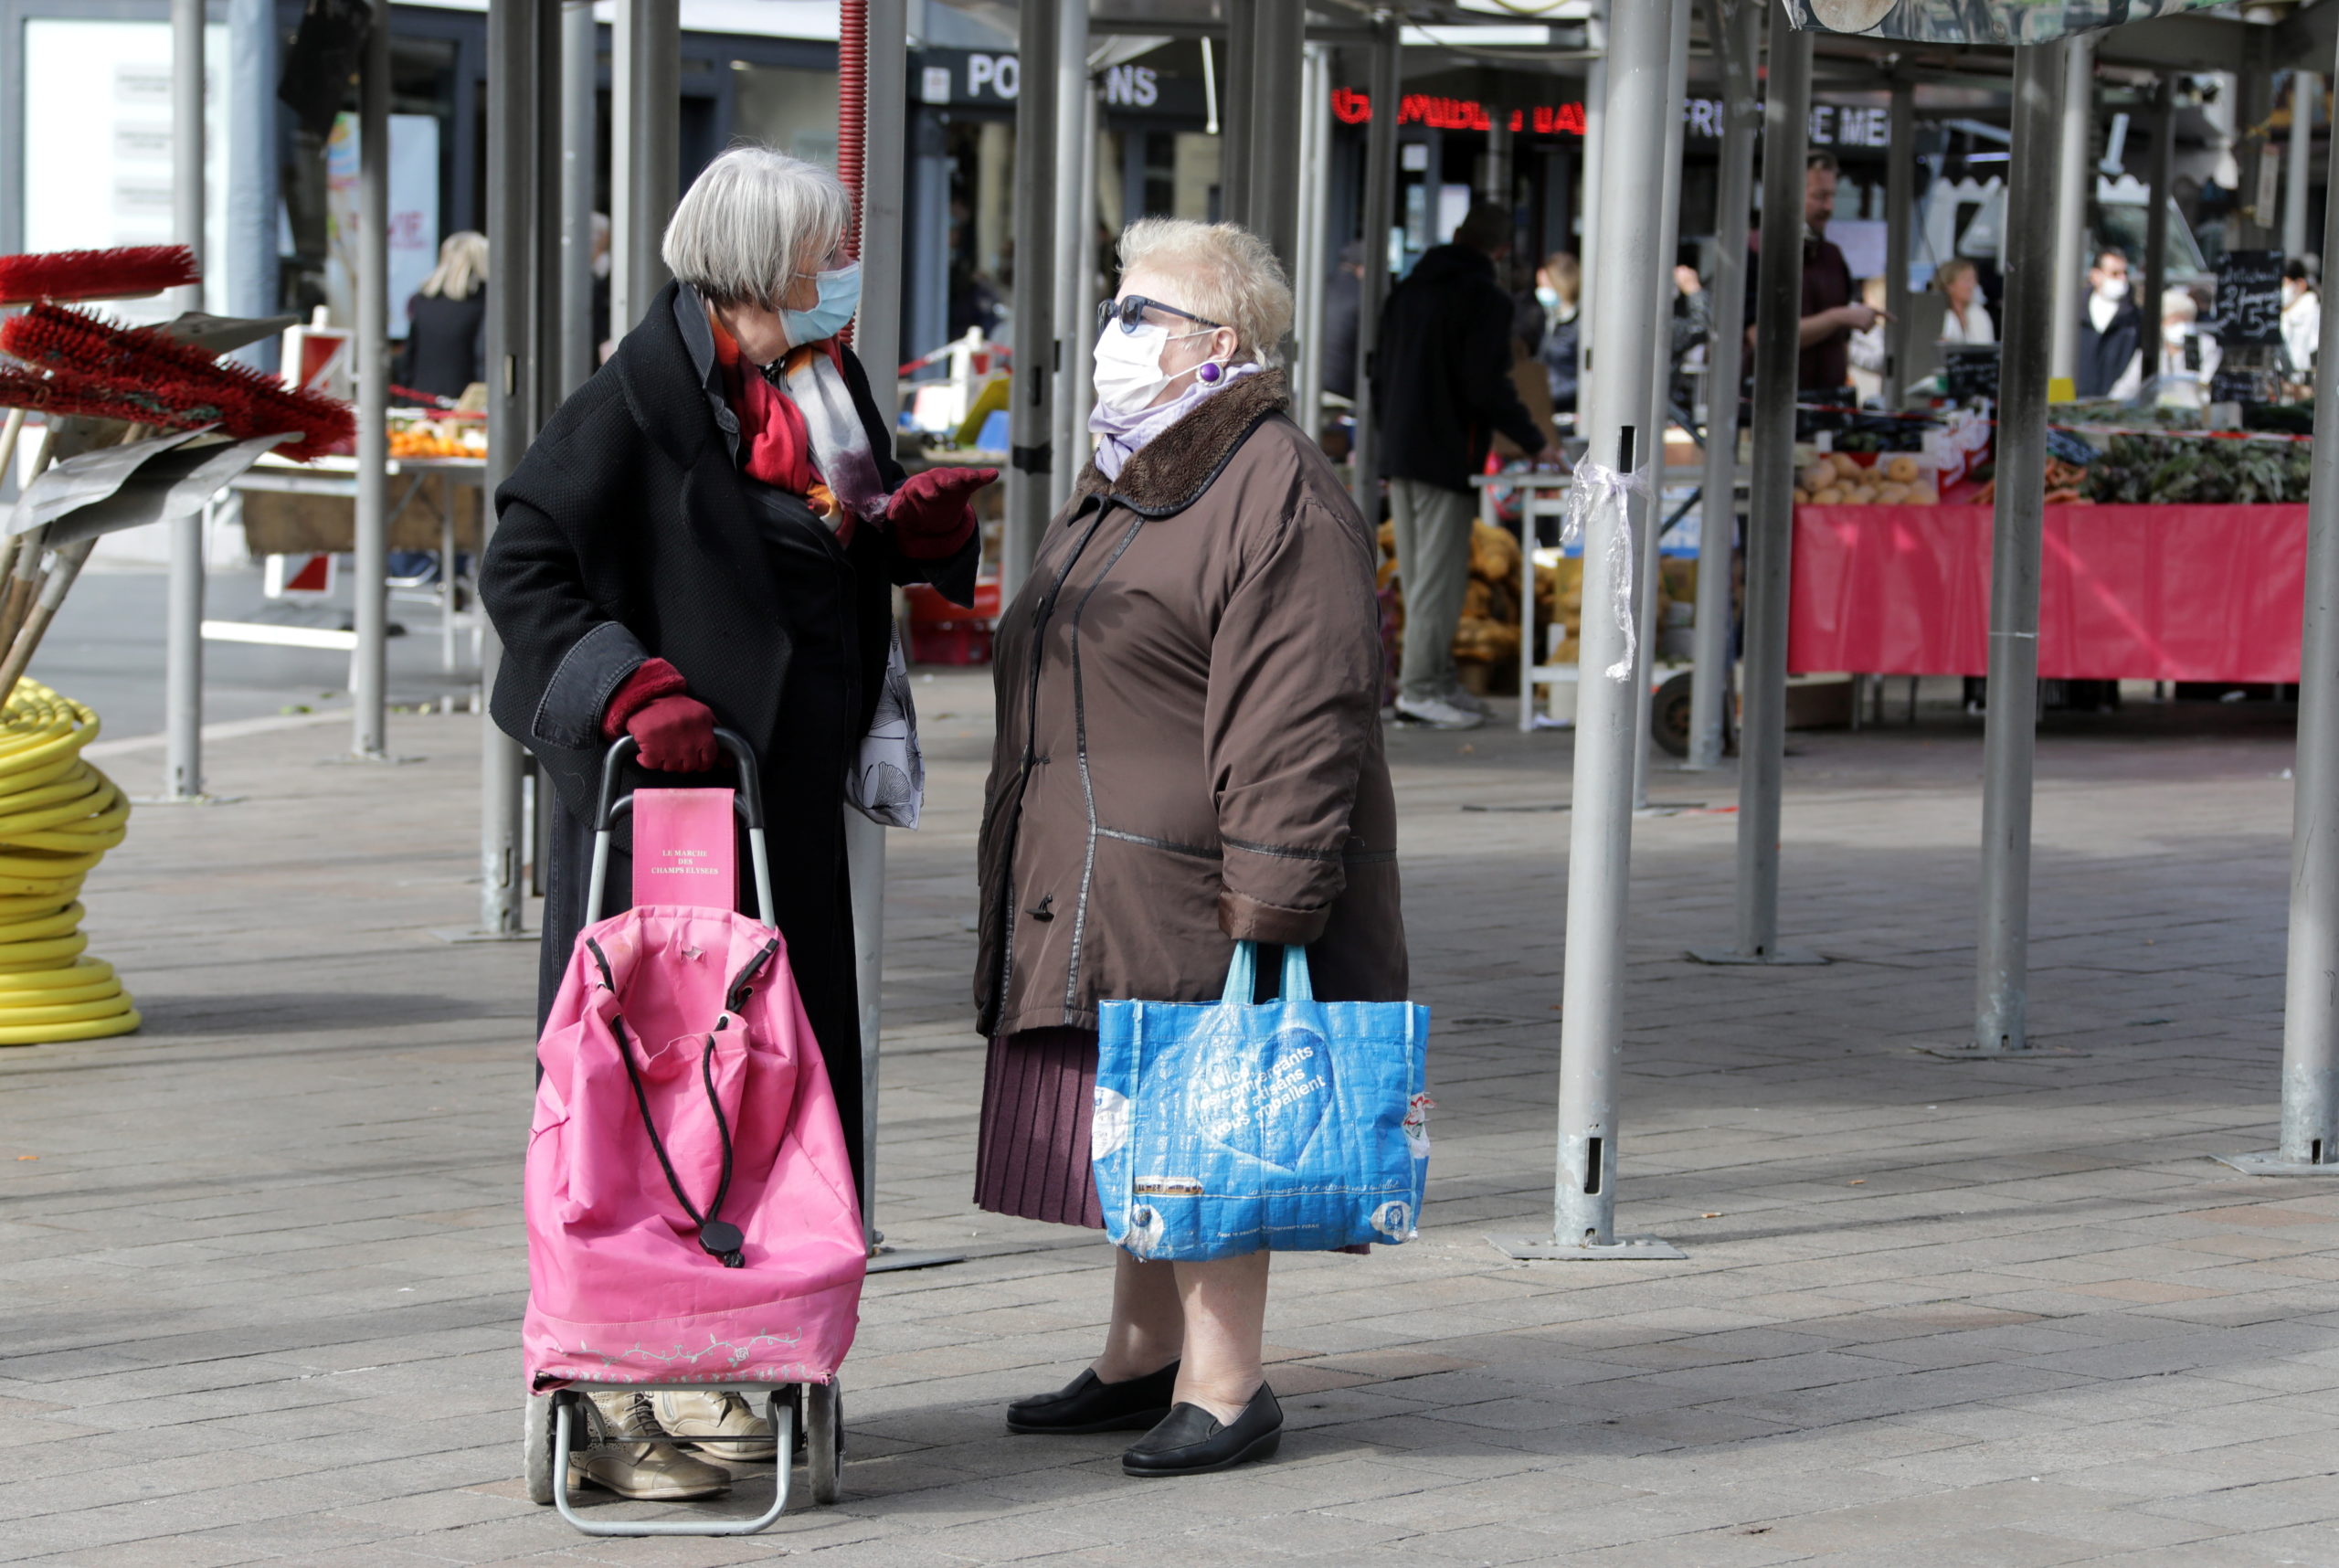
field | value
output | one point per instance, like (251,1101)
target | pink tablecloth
(2165,593)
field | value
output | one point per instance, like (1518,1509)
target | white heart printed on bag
(1108,1125)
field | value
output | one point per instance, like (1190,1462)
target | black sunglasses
(1130,308)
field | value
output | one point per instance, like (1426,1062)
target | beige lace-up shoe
(646,1471)
(689,1412)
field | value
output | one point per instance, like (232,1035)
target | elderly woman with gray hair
(1189,754)
(707,533)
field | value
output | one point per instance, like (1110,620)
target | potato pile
(1488,630)
(1838,479)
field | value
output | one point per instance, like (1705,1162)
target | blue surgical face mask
(840,297)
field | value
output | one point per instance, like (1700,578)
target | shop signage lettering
(996,76)
(1132,87)
(1351,106)
(977,79)
(1832,124)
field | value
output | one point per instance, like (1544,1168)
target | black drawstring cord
(719,1238)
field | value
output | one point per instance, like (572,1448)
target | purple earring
(1209,374)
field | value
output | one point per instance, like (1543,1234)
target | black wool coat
(1441,377)
(628,532)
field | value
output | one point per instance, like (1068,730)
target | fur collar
(1170,473)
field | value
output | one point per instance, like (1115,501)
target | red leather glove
(933,514)
(674,730)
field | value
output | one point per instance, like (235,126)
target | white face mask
(1128,375)
(2172,333)
(2113,289)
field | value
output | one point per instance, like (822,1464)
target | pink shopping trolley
(691,1217)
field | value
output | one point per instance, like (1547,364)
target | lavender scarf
(1125,433)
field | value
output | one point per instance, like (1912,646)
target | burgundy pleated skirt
(1031,1154)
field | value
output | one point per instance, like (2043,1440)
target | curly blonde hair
(1227,275)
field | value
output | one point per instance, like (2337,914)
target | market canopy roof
(1978,21)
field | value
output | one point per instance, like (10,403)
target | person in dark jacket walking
(707,533)
(1188,755)
(447,320)
(1442,387)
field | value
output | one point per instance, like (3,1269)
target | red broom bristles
(63,395)
(130,272)
(178,379)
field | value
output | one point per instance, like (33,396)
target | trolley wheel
(1669,716)
(824,1439)
(535,1448)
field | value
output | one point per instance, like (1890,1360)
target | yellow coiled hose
(58,818)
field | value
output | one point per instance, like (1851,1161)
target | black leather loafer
(1190,1442)
(1089,1403)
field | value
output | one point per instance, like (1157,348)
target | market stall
(2167,555)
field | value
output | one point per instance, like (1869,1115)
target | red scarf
(776,447)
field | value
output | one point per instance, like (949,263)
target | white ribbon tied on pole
(1596,486)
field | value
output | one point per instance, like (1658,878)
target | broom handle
(52,594)
(24,580)
(31,606)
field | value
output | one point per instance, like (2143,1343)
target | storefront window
(792,110)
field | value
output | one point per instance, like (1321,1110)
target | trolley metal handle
(746,799)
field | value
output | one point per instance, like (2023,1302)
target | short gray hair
(1227,275)
(745,225)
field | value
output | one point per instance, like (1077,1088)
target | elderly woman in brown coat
(1189,754)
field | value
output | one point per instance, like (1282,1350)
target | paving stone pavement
(261,1266)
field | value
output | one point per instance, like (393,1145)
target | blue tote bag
(1295,1125)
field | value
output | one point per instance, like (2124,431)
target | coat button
(1040,911)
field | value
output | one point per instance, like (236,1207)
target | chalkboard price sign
(2250,298)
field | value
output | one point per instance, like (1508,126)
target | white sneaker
(1437,713)
(647,1471)
(691,1412)
(1468,701)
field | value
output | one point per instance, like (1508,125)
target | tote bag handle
(1243,975)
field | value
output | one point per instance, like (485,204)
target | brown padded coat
(1189,730)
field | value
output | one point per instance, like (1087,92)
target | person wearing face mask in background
(1188,753)
(2111,333)
(708,532)
(1549,325)
(2302,319)
(2188,357)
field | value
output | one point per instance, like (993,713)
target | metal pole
(1079,350)
(1237,105)
(2071,152)
(877,339)
(1029,427)
(2306,91)
(1599,833)
(513,27)
(1278,48)
(370,695)
(1595,140)
(2162,172)
(1311,260)
(250,263)
(645,151)
(1073,90)
(183,662)
(580,73)
(1372,289)
(1660,406)
(2310,994)
(1770,512)
(1899,211)
(2009,737)
(1736,26)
